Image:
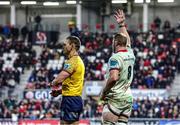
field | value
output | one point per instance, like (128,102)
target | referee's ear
(74,46)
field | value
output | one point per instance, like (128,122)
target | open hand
(119,16)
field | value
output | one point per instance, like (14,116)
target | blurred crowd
(155,67)
(145,108)
(15,56)
(167,108)
(156,57)
(30,109)
(40,109)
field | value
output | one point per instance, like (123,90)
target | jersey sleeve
(114,64)
(69,66)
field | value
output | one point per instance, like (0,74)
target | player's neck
(121,49)
(72,53)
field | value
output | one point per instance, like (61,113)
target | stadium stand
(157,66)
(155,60)
(16,55)
(41,109)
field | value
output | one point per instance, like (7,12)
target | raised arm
(120,18)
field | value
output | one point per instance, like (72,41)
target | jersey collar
(122,50)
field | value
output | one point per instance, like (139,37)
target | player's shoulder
(114,56)
(129,48)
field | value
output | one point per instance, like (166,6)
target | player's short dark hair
(75,40)
(121,39)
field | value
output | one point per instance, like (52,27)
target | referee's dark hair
(75,40)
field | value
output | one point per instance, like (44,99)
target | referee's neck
(72,53)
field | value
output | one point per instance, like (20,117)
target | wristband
(121,26)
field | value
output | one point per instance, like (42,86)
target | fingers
(119,13)
(116,16)
(50,84)
(119,16)
(53,94)
(56,93)
(102,96)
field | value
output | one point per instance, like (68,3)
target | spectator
(157,22)
(167,26)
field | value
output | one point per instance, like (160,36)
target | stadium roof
(97,3)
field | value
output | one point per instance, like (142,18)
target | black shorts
(71,108)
